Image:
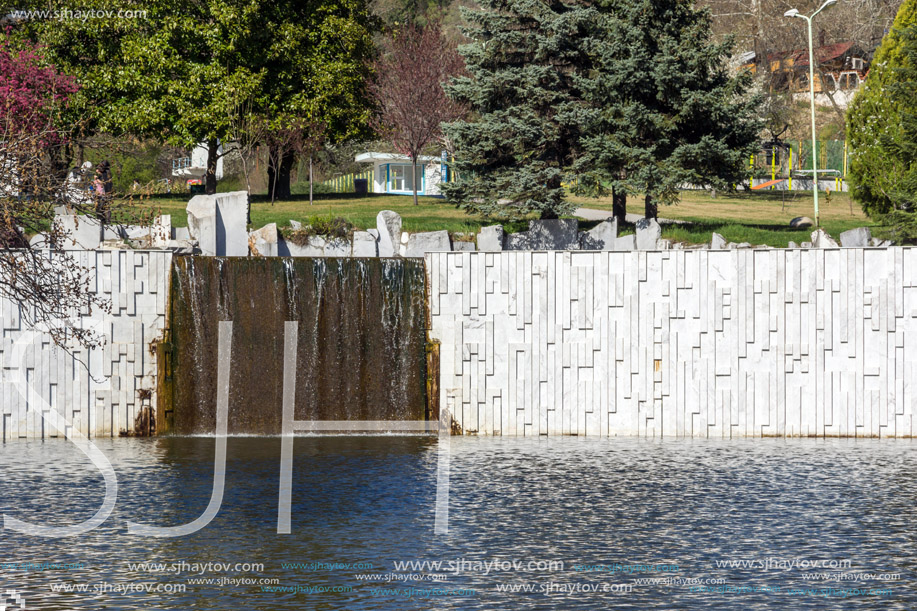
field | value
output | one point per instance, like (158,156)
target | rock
(83,232)
(431,241)
(554,234)
(733,246)
(627,242)
(295,225)
(115,244)
(263,242)
(801,222)
(313,247)
(860,237)
(678,246)
(218,223)
(648,234)
(405,237)
(338,247)
(717,242)
(388,224)
(600,237)
(364,244)
(821,239)
(792,245)
(877,243)
(490,239)
(182,247)
(805,245)
(663,244)
(39,240)
(459,246)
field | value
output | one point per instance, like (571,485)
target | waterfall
(362,332)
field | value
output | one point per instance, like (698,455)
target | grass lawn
(758,218)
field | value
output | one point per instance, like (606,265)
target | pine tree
(876,123)
(667,110)
(524,61)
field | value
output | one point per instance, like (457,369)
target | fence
(793,160)
(344,184)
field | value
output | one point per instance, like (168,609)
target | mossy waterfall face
(360,354)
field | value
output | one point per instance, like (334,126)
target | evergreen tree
(667,111)
(877,123)
(523,63)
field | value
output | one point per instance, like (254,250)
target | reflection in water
(369,500)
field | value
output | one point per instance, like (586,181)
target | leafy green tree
(176,70)
(666,111)
(524,62)
(877,127)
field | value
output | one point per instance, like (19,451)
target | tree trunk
(651,210)
(278,179)
(310,180)
(414,179)
(210,179)
(619,205)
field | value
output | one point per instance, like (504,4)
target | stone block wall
(693,343)
(103,397)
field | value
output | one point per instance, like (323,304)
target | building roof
(823,54)
(390,158)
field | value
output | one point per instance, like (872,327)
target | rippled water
(582,502)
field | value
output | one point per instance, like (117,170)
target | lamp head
(791,13)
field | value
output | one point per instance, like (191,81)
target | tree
(875,125)
(664,108)
(524,65)
(50,291)
(407,87)
(178,72)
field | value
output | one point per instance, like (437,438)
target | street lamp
(795,13)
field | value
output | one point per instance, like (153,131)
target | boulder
(860,237)
(600,237)
(802,222)
(792,245)
(627,242)
(821,239)
(805,245)
(263,242)
(295,225)
(877,243)
(734,246)
(365,244)
(553,234)
(218,223)
(717,242)
(648,234)
(313,247)
(490,239)
(83,232)
(430,241)
(338,247)
(114,244)
(459,246)
(663,244)
(388,224)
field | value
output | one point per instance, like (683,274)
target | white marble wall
(741,343)
(103,398)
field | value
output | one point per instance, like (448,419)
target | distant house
(392,173)
(845,66)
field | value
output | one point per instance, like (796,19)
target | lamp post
(795,13)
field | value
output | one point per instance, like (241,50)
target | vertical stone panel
(97,391)
(742,343)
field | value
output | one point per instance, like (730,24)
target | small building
(392,173)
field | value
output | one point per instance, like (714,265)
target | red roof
(822,54)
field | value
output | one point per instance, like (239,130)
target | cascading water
(362,332)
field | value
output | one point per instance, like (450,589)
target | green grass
(757,218)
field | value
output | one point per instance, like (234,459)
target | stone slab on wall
(105,398)
(693,343)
